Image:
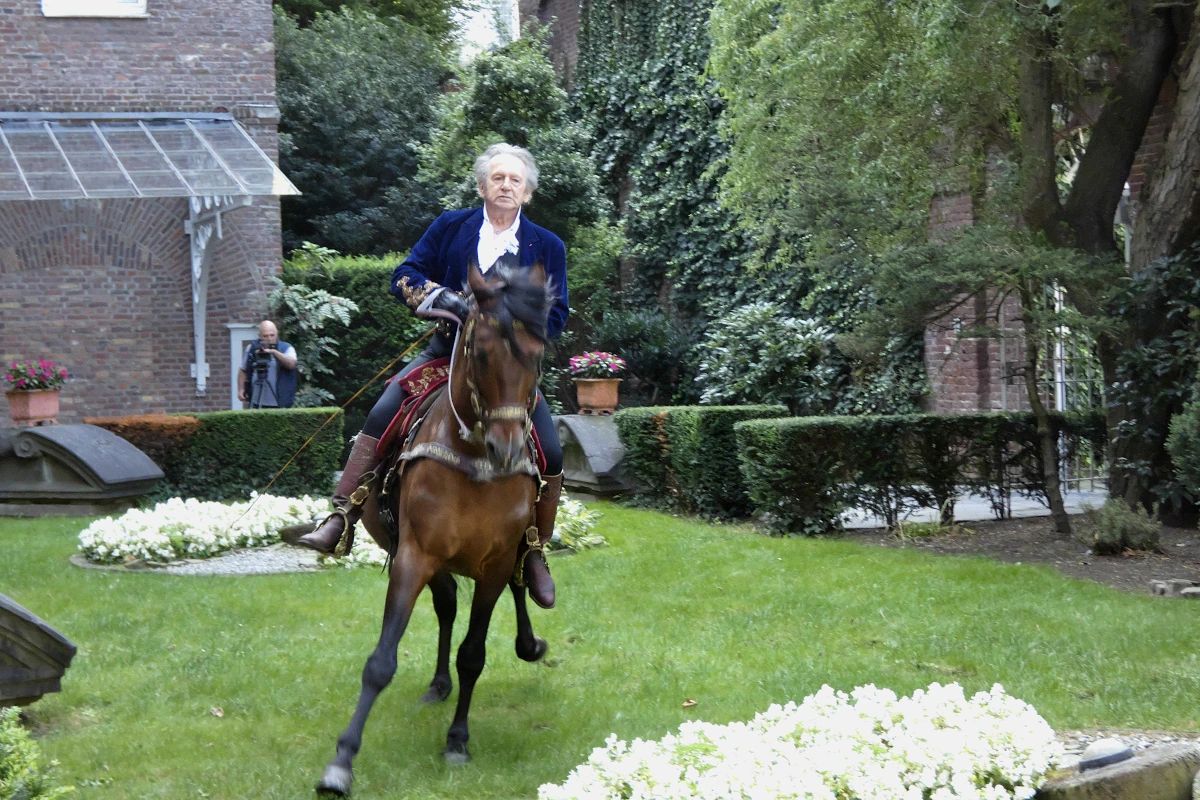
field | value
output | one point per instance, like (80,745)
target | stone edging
(1156,773)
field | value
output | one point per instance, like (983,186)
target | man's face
(505,187)
(268,334)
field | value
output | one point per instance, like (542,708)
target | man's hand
(447,300)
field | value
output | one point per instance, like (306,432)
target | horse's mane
(516,301)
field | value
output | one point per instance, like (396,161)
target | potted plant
(596,381)
(32,390)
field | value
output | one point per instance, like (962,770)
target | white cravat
(493,243)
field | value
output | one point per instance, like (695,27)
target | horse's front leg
(471,656)
(445,604)
(410,572)
(529,647)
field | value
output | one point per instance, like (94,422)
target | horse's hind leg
(471,656)
(529,647)
(445,603)
(409,576)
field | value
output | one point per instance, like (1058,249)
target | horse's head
(503,341)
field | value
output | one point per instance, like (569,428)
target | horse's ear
(537,275)
(476,283)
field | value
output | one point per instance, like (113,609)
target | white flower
(868,745)
(192,528)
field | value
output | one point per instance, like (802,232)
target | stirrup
(532,543)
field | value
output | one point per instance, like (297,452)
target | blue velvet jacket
(450,246)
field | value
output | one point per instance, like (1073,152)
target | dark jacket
(450,246)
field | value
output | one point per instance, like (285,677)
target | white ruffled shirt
(493,243)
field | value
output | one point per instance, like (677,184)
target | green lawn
(672,609)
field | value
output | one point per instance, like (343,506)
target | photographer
(267,377)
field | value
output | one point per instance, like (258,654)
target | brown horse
(449,522)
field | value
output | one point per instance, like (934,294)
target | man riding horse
(492,236)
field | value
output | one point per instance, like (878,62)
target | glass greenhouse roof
(65,157)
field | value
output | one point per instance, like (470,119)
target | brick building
(139,210)
(564,18)
(969,374)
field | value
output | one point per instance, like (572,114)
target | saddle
(423,387)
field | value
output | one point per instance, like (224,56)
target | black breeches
(385,408)
(543,423)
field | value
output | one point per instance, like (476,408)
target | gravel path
(277,558)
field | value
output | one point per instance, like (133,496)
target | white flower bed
(869,745)
(180,528)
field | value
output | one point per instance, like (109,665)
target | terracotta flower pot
(32,407)
(597,395)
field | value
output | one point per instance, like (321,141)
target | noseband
(484,416)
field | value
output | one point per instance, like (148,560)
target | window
(94,8)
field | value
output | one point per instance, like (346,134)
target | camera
(260,356)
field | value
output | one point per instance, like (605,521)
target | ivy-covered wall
(640,83)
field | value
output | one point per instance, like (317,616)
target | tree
(435,17)
(1035,110)
(357,95)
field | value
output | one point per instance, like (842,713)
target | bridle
(484,416)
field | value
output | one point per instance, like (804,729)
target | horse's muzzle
(505,445)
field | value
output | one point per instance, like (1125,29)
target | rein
(502,412)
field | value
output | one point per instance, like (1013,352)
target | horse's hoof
(438,691)
(456,758)
(539,649)
(336,780)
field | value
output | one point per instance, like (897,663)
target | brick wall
(563,17)
(186,56)
(104,287)
(969,374)
(1154,140)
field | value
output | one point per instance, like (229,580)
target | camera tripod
(261,389)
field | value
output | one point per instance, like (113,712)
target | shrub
(237,452)
(304,313)
(381,329)
(156,435)
(226,455)
(357,96)
(647,452)
(21,775)
(1115,528)
(802,472)
(758,354)
(686,456)
(655,349)
(1183,444)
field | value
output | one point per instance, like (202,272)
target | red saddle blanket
(421,387)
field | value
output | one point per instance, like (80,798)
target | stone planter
(33,407)
(597,395)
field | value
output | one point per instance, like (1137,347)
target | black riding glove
(448,300)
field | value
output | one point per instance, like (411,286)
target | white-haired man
(507,177)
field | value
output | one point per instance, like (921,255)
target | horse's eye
(481,358)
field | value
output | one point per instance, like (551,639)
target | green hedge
(686,456)
(233,453)
(802,473)
(380,331)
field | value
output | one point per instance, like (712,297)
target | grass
(673,609)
